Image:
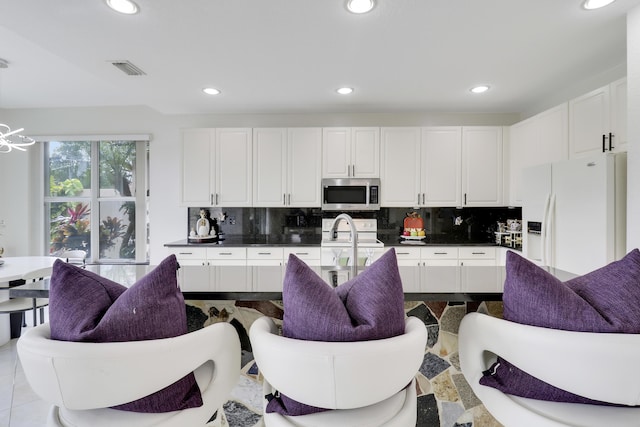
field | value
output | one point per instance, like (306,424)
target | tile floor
(444,397)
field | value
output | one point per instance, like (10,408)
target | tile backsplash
(450,225)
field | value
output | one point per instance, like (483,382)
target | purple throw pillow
(367,307)
(86,307)
(604,300)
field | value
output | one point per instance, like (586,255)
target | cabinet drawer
(435,253)
(304,253)
(477,253)
(227,253)
(407,253)
(188,253)
(264,253)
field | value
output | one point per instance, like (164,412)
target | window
(95,196)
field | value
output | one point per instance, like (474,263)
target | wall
(633,159)
(19,201)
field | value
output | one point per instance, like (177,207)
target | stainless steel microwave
(350,194)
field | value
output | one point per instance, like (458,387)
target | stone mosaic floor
(444,397)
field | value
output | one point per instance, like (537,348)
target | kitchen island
(484,283)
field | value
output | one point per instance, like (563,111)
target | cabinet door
(365,152)
(552,136)
(440,275)
(304,167)
(482,166)
(589,122)
(232,277)
(233,171)
(441,166)
(336,152)
(197,157)
(543,138)
(195,275)
(618,92)
(400,166)
(521,136)
(480,275)
(269,167)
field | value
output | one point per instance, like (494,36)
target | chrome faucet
(353,238)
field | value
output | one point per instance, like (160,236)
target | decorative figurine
(203,225)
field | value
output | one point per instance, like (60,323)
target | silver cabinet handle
(185,253)
(478,253)
(225,253)
(289,199)
(302,253)
(211,199)
(284,199)
(441,253)
(216,198)
(264,253)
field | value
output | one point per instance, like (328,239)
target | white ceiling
(288,56)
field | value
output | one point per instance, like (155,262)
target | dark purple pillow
(605,300)
(367,307)
(86,307)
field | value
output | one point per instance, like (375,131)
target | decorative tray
(414,237)
(203,239)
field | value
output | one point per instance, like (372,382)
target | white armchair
(82,380)
(365,383)
(599,366)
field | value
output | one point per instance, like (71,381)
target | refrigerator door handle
(549,244)
(543,231)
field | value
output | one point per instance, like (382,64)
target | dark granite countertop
(255,240)
(314,240)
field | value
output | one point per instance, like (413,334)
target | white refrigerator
(574,212)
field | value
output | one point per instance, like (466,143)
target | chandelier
(10,139)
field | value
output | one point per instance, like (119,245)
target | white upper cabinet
(233,167)
(269,170)
(400,166)
(543,138)
(216,167)
(618,105)
(304,167)
(287,167)
(197,160)
(441,166)
(351,152)
(597,120)
(441,182)
(482,166)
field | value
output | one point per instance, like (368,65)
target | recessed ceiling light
(211,91)
(596,4)
(480,89)
(360,6)
(344,90)
(123,6)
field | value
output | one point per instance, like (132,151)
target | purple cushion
(367,307)
(86,307)
(605,300)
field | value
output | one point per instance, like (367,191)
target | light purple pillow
(605,300)
(86,307)
(367,307)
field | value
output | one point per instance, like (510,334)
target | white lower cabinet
(213,269)
(239,269)
(408,260)
(442,269)
(485,275)
(266,268)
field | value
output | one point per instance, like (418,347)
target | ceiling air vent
(128,68)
